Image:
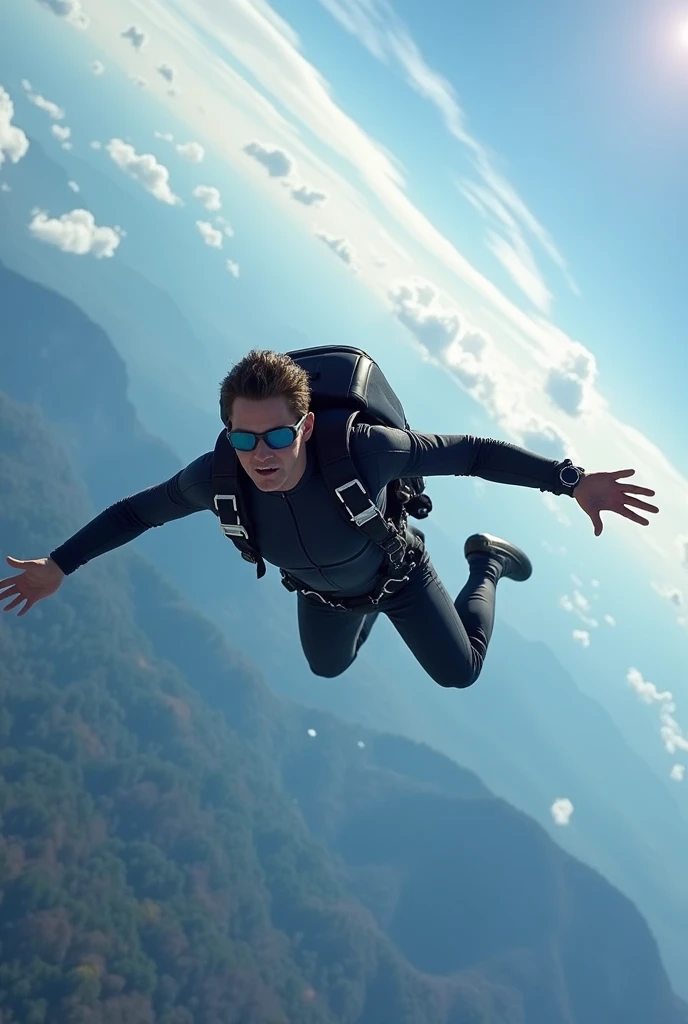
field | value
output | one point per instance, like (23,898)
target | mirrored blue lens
(242,440)
(280,438)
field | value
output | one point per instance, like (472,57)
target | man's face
(286,464)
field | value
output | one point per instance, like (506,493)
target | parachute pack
(347,386)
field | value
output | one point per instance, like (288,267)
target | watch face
(569,475)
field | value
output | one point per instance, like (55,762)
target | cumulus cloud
(70,10)
(568,385)
(561,810)
(673,736)
(276,161)
(308,196)
(677,772)
(73,185)
(211,236)
(577,604)
(144,168)
(339,245)
(225,225)
(233,268)
(610,620)
(647,691)
(75,232)
(209,196)
(136,36)
(97,67)
(50,108)
(582,637)
(311,732)
(167,72)
(13,142)
(191,151)
(62,134)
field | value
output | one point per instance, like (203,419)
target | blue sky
(505,191)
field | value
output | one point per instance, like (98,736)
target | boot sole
(486,543)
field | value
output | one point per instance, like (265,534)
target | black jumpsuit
(304,532)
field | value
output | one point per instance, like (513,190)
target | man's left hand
(598,492)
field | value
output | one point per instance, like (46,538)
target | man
(335,568)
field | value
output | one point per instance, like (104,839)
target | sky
(504,187)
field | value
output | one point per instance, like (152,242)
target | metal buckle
(230,529)
(360,517)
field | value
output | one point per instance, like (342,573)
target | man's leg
(448,638)
(331,637)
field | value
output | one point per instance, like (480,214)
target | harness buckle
(230,529)
(359,518)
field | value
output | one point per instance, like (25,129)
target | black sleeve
(187,492)
(387,453)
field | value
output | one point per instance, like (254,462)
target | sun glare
(683,34)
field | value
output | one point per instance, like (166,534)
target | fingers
(641,504)
(11,591)
(626,512)
(635,489)
(16,562)
(622,472)
(9,581)
(13,604)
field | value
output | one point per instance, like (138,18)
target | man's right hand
(38,578)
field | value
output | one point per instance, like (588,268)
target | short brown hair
(266,374)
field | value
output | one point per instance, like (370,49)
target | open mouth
(267,472)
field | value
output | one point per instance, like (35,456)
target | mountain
(520,728)
(180,846)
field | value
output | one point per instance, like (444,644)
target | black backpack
(347,386)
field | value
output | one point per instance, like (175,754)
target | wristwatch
(570,477)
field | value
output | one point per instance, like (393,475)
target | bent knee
(459,680)
(328,671)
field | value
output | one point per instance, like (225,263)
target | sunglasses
(278,437)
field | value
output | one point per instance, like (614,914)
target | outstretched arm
(188,491)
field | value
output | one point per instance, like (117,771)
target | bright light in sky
(683,34)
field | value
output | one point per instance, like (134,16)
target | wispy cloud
(233,268)
(211,236)
(581,636)
(13,142)
(678,772)
(672,734)
(191,151)
(561,811)
(209,196)
(62,133)
(578,604)
(144,168)
(70,10)
(77,233)
(51,109)
(167,72)
(136,36)
(340,246)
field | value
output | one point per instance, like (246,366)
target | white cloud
(97,67)
(673,736)
(360,744)
(579,605)
(136,36)
(312,732)
(610,620)
(569,385)
(61,132)
(143,168)
(167,72)
(70,10)
(73,185)
(308,196)
(672,594)
(4,187)
(561,810)
(211,236)
(678,772)
(339,245)
(682,545)
(209,196)
(647,691)
(165,136)
(52,109)
(191,151)
(276,161)
(137,80)
(13,142)
(96,145)
(233,268)
(75,232)
(582,637)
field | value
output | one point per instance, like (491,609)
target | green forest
(176,848)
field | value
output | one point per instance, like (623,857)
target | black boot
(517,565)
